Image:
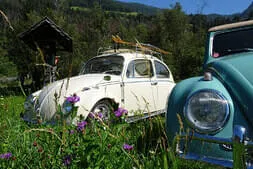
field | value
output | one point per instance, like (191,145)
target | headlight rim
(226,117)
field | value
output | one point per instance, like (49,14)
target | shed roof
(46,32)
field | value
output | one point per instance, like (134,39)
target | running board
(138,117)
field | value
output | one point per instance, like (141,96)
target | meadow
(93,144)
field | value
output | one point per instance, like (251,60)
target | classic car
(134,80)
(210,116)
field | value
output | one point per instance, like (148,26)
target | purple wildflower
(67,160)
(100,115)
(120,112)
(72,132)
(95,115)
(91,115)
(81,125)
(73,99)
(6,156)
(127,147)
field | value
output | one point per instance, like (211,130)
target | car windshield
(112,64)
(233,42)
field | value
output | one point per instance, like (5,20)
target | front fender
(177,101)
(90,97)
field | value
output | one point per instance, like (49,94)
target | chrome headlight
(207,111)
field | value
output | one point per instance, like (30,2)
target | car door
(138,94)
(163,83)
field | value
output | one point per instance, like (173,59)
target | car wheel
(103,109)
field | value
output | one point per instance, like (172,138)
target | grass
(97,145)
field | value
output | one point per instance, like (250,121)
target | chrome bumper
(237,144)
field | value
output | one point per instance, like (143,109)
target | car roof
(128,54)
(231,26)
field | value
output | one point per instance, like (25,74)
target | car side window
(140,69)
(161,70)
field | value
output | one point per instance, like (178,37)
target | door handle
(153,83)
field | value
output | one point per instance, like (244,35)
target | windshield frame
(107,64)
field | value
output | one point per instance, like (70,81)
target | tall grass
(97,145)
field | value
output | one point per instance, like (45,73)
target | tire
(104,107)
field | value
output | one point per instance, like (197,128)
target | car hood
(236,73)
(55,93)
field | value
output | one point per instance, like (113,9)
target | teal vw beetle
(214,112)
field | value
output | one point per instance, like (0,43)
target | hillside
(248,12)
(244,15)
(118,6)
(113,5)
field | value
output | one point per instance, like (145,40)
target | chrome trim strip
(134,118)
(140,81)
(148,81)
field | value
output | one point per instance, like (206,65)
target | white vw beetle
(137,82)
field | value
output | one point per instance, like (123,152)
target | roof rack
(142,46)
(110,50)
(139,47)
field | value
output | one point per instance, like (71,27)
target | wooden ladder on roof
(142,46)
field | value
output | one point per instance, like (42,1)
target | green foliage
(177,36)
(115,6)
(7,68)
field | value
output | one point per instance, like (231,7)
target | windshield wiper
(231,51)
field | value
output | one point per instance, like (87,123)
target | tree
(177,36)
